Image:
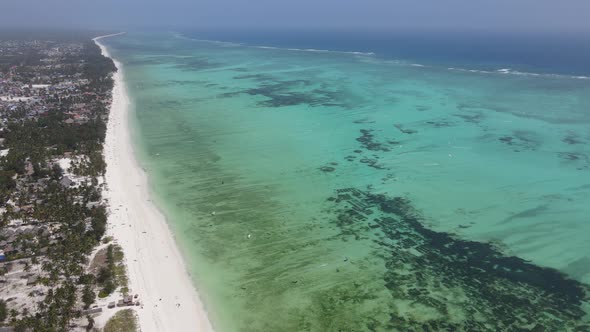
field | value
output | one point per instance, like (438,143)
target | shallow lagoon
(327,191)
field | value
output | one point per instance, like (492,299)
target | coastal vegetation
(53,212)
(112,275)
(122,321)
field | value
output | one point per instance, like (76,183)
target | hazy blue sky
(544,15)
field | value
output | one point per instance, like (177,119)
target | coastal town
(58,270)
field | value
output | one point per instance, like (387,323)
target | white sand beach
(156,270)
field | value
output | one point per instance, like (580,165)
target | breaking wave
(315,50)
(224,43)
(508,71)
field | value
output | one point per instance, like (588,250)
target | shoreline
(155,266)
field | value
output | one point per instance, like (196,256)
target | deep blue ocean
(558,53)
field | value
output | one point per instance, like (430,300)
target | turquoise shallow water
(325,191)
